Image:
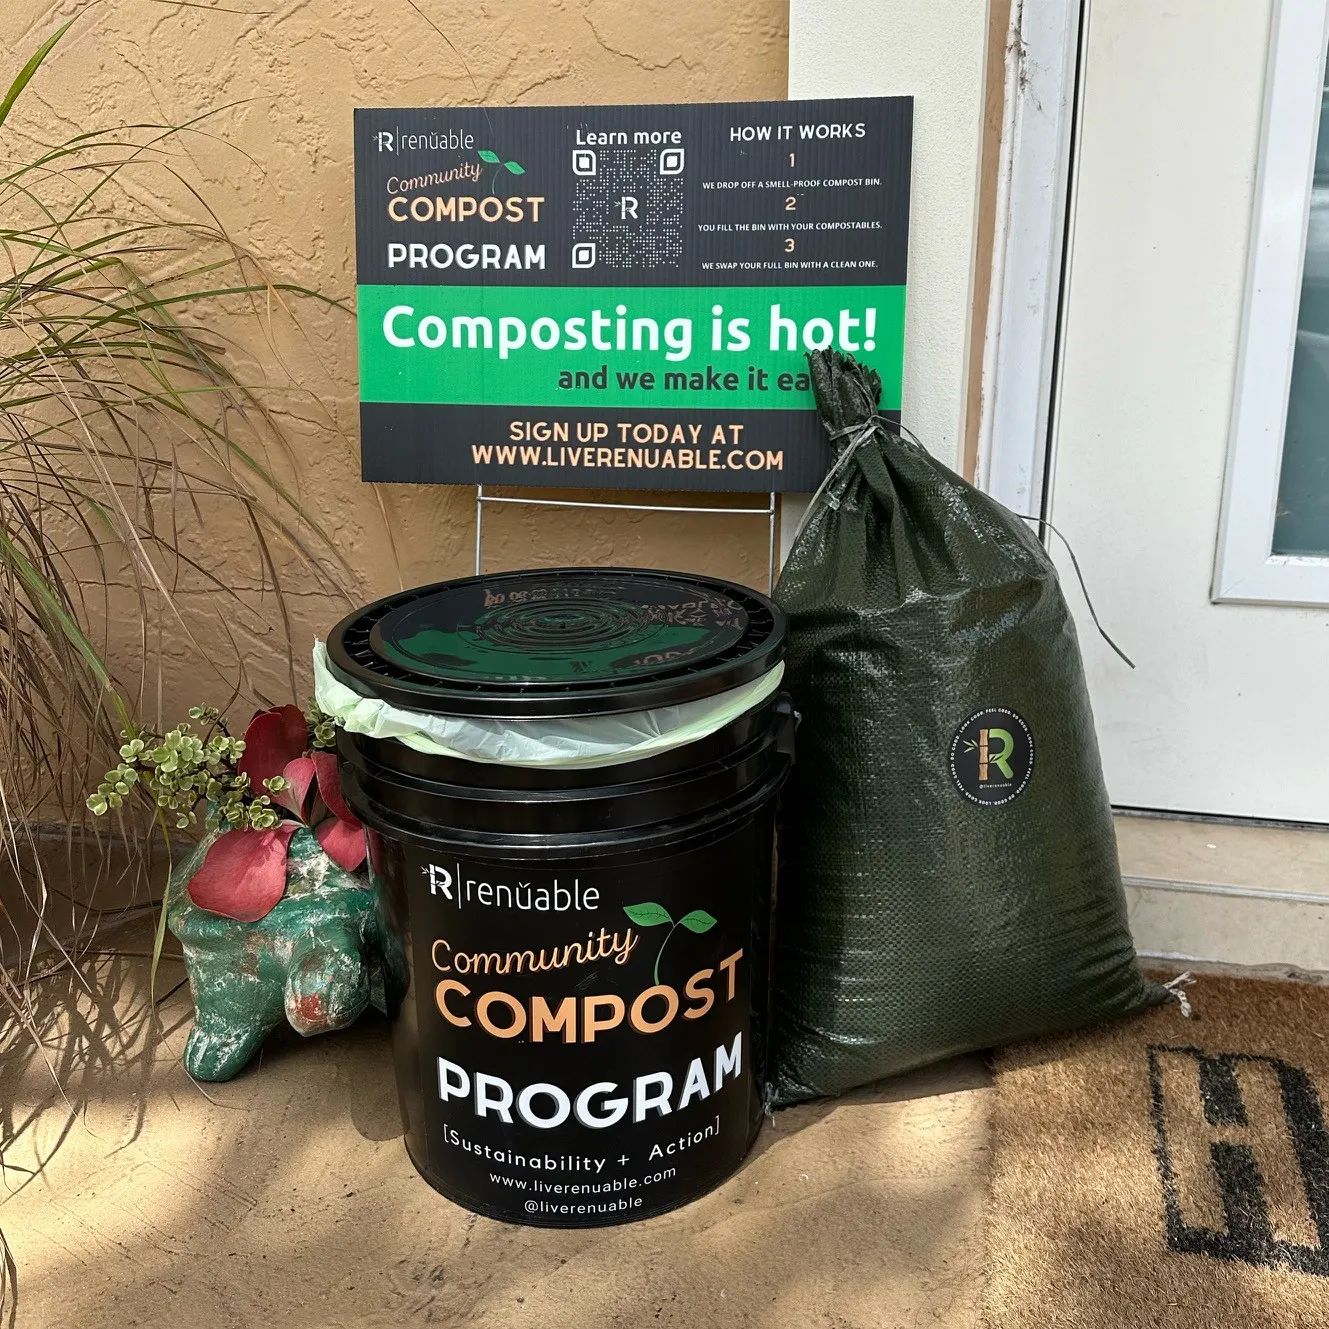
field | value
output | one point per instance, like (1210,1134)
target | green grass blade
(51,608)
(159,936)
(25,74)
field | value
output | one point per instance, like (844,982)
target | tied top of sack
(955,535)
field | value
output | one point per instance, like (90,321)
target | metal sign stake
(769,512)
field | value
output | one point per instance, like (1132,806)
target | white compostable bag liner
(595,740)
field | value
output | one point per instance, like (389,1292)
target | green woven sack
(949,876)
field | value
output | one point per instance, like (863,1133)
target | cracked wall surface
(274,162)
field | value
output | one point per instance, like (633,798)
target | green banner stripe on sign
(712,347)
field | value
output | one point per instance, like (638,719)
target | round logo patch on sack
(992,756)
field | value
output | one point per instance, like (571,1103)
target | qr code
(627,207)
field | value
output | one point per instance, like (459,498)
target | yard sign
(623,296)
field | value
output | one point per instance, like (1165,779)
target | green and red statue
(273,907)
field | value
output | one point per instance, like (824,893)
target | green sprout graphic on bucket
(650,915)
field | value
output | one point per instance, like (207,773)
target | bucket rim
(662,838)
(354,660)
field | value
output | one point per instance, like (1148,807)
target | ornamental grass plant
(133,427)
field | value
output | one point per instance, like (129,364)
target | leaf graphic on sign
(486,156)
(697,921)
(648,915)
(515,167)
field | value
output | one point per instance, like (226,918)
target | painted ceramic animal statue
(273,908)
(312,960)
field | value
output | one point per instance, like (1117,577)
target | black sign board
(623,296)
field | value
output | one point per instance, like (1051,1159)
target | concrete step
(1227,892)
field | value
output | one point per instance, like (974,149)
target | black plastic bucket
(577,961)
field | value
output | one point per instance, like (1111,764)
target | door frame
(1031,247)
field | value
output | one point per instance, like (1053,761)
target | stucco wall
(277,168)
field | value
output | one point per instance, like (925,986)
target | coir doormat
(1167,1171)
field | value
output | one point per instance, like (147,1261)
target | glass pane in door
(1302,523)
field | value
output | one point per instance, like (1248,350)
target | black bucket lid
(558,643)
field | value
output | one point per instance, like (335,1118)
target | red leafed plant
(258,790)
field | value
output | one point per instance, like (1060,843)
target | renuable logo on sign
(623,296)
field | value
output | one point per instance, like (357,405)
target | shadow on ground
(135,1197)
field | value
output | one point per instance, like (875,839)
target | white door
(1195,144)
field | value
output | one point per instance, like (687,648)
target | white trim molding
(1245,569)
(1234,925)
(1019,353)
